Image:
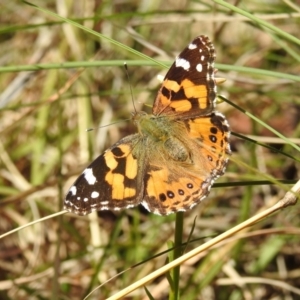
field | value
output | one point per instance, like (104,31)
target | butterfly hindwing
(185,188)
(211,134)
(197,155)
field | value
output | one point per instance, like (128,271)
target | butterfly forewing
(109,182)
(189,87)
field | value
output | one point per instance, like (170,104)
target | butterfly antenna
(91,129)
(130,86)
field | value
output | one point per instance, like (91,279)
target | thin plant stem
(174,294)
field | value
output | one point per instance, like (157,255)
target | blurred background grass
(44,145)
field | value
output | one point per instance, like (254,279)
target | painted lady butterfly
(178,152)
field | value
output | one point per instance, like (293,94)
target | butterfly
(180,149)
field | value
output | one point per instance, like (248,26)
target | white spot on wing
(145,204)
(95,194)
(192,46)
(85,199)
(73,190)
(130,206)
(199,68)
(181,62)
(203,41)
(89,176)
(160,78)
(155,211)
(221,116)
(193,204)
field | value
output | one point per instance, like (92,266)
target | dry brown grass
(44,146)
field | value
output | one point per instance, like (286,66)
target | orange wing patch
(122,166)
(213,135)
